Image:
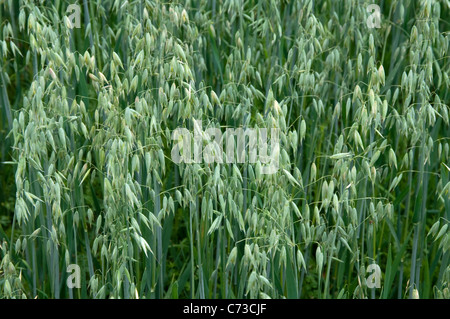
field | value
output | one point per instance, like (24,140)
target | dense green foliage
(87,176)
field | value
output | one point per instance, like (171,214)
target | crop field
(212,149)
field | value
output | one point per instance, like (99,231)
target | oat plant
(87,175)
